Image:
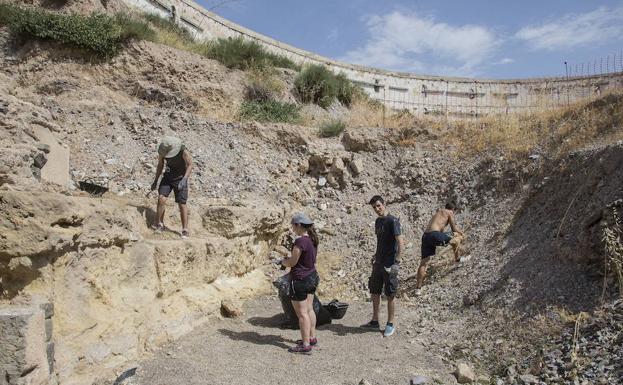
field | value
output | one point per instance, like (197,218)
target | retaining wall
(26,345)
(436,95)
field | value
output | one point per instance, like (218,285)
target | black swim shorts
(431,240)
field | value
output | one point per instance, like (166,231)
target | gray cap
(302,219)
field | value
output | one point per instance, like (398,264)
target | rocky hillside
(120,291)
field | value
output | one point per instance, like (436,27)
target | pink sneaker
(301,349)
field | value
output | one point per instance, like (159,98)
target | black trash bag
(283,285)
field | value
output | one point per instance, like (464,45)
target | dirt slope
(97,259)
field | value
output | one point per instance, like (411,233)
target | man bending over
(434,236)
(179,164)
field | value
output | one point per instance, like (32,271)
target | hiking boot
(184,234)
(313,342)
(371,325)
(389,330)
(301,349)
(158,227)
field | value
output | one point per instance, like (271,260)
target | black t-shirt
(387,228)
(175,166)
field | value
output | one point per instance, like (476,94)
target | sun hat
(169,146)
(302,219)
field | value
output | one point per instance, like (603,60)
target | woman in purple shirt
(303,280)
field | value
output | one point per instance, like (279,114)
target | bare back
(440,220)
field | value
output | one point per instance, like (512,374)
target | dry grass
(612,238)
(268,78)
(368,113)
(558,131)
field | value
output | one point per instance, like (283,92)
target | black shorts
(381,279)
(167,185)
(300,288)
(432,240)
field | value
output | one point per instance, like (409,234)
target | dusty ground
(253,350)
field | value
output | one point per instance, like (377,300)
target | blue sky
(491,39)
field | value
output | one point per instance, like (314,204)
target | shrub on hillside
(317,84)
(166,24)
(97,33)
(264,84)
(132,28)
(333,128)
(244,54)
(270,111)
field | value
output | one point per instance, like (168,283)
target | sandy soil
(253,350)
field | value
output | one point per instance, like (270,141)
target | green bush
(7,13)
(317,84)
(333,128)
(270,111)
(97,33)
(345,89)
(243,54)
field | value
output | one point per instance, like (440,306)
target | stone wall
(434,95)
(27,353)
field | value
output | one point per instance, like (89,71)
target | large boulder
(368,139)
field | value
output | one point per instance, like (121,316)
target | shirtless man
(434,236)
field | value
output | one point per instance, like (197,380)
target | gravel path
(253,350)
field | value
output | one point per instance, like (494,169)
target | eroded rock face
(365,139)
(120,290)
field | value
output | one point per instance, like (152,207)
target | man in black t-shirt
(389,246)
(179,164)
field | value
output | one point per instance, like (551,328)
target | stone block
(48,329)
(23,357)
(50,356)
(48,309)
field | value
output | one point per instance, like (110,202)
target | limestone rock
(23,357)
(419,380)
(356,166)
(528,379)
(464,374)
(237,221)
(231,309)
(368,139)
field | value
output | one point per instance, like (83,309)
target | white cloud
(506,60)
(573,30)
(410,42)
(333,35)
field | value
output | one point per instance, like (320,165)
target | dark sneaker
(313,342)
(158,227)
(371,325)
(301,349)
(184,234)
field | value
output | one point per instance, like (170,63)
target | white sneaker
(389,330)
(184,234)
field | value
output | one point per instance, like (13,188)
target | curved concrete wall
(436,95)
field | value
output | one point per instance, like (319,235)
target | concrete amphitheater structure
(421,95)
